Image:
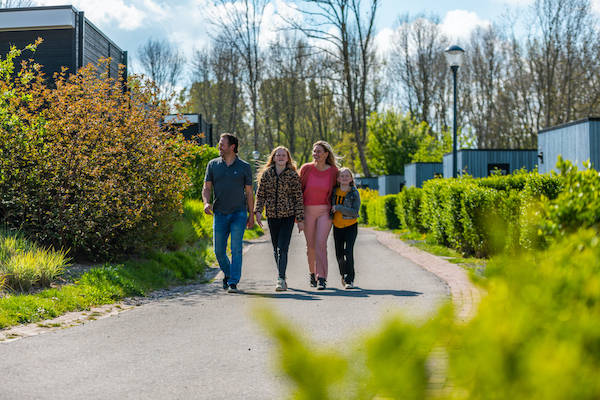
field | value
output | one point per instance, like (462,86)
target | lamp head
(454,56)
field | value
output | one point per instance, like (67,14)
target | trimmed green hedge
(475,216)
(381,212)
(408,209)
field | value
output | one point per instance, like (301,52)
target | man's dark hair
(231,139)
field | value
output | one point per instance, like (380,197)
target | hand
(208,209)
(332,209)
(250,221)
(300,226)
(259,218)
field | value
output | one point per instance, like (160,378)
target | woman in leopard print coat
(280,193)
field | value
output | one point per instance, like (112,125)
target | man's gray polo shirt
(229,184)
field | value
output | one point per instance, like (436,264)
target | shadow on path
(300,294)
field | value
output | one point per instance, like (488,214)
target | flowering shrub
(85,164)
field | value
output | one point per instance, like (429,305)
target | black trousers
(281,234)
(344,239)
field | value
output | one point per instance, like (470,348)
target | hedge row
(475,216)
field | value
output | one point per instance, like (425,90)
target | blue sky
(129,23)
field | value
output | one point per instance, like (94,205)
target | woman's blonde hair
(332,158)
(344,169)
(291,164)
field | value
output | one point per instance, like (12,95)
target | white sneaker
(281,285)
(348,286)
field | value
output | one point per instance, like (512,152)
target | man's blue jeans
(233,224)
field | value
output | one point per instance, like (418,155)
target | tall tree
(163,63)
(216,91)
(238,25)
(418,65)
(346,29)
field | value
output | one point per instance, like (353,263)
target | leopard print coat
(280,195)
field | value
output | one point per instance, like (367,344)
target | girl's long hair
(291,164)
(332,158)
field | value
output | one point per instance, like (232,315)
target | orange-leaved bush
(85,164)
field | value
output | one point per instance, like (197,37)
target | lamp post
(454,57)
(256,156)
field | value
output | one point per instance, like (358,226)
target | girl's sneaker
(322,284)
(349,286)
(281,285)
(313,280)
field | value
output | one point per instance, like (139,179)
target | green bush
(408,209)
(85,165)
(536,335)
(432,205)
(479,216)
(365,196)
(381,212)
(196,169)
(577,206)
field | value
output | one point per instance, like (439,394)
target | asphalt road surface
(205,344)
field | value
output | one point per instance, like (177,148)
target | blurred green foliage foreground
(536,334)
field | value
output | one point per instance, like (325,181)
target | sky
(129,23)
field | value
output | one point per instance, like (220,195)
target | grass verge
(474,265)
(107,284)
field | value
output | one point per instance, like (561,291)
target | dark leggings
(344,239)
(281,233)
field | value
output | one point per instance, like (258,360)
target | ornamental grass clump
(85,163)
(23,264)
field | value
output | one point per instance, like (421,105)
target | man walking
(230,178)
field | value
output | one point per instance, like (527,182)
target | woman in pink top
(318,180)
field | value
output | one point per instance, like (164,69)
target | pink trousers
(317,225)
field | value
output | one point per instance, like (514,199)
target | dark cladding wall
(57,49)
(577,141)
(97,46)
(70,47)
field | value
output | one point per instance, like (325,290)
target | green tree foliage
(85,165)
(432,148)
(199,159)
(393,140)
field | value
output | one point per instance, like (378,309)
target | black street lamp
(454,57)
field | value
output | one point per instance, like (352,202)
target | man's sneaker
(349,285)
(225,284)
(313,280)
(232,288)
(322,284)
(281,285)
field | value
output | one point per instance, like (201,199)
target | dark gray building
(576,141)
(196,128)
(480,163)
(70,39)
(390,184)
(417,173)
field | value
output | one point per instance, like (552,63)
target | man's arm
(206,192)
(250,203)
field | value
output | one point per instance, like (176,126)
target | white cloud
(128,16)
(458,24)
(384,40)
(519,3)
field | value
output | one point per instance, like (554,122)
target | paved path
(204,344)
